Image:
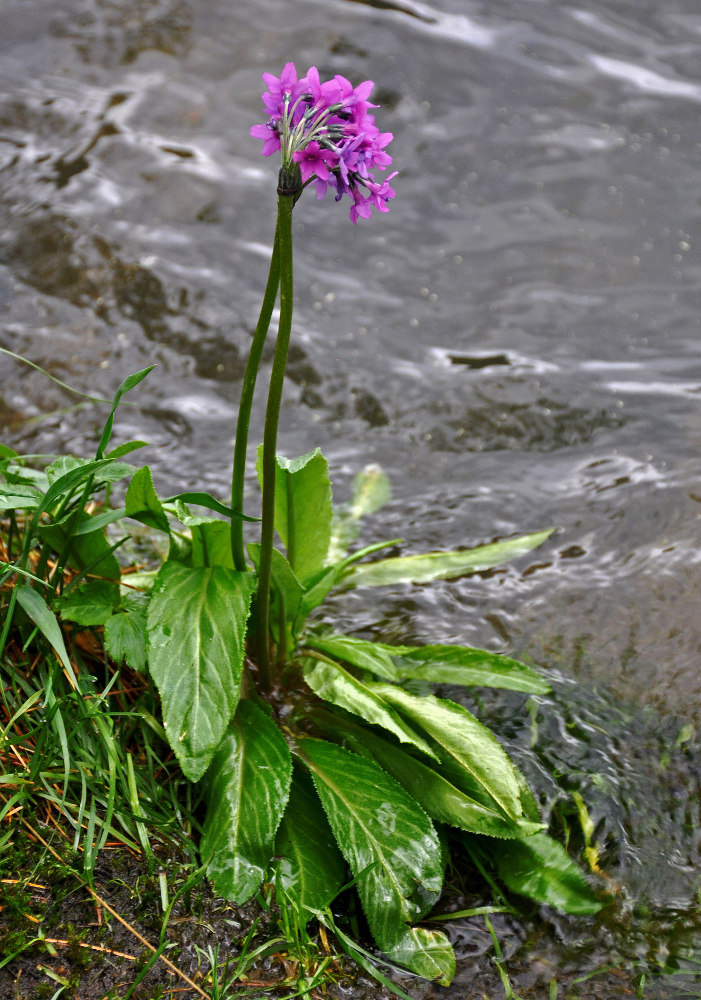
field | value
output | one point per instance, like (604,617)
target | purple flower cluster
(326,134)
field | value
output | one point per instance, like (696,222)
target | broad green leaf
(469,667)
(142,501)
(109,472)
(196,633)
(66,484)
(387,839)
(36,608)
(92,603)
(434,793)
(248,784)
(310,867)
(89,552)
(303,510)
(466,743)
(441,565)
(426,953)
(129,383)
(211,543)
(125,638)
(22,496)
(372,656)
(334,684)
(540,868)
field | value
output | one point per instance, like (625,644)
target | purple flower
(327,135)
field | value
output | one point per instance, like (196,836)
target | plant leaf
(372,656)
(22,496)
(125,638)
(334,684)
(92,603)
(434,793)
(196,632)
(441,565)
(426,953)
(540,868)
(387,839)
(468,667)
(36,608)
(310,867)
(210,503)
(129,383)
(247,788)
(371,491)
(465,742)
(303,510)
(142,503)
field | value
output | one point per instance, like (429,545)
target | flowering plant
(317,758)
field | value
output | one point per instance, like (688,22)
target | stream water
(516,343)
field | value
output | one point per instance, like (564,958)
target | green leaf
(372,656)
(371,491)
(540,868)
(129,383)
(92,603)
(285,587)
(142,501)
(210,503)
(196,632)
(211,543)
(441,799)
(310,867)
(441,565)
(126,449)
(465,742)
(387,839)
(36,608)
(334,684)
(89,552)
(248,785)
(22,496)
(303,511)
(467,666)
(322,582)
(108,472)
(426,953)
(97,522)
(125,638)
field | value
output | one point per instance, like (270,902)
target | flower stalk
(272,415)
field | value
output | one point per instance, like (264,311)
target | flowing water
(515,343)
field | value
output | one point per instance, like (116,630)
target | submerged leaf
(248,784)
(196,629)
(442,565)
(541,869)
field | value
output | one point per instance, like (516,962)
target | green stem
(245,404)
(272,414)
